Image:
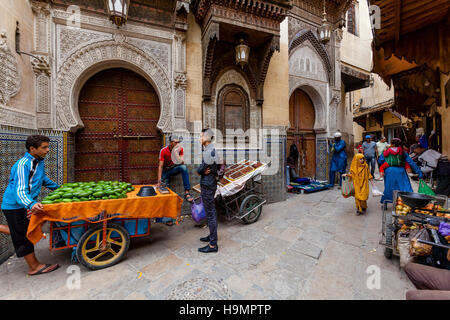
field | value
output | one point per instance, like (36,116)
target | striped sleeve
(22,174)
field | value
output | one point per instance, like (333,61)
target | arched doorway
(233,110)
(301,132)
(120,140)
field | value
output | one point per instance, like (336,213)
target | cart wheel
(90,252)
(388,252)
(248,204)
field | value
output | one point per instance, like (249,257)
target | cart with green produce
(97,219)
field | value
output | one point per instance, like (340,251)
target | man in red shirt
(171,162)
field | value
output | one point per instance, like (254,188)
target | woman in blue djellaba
(395,175)
(339,159)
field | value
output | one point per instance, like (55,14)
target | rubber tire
(89,233)
(388,253)
(242,209)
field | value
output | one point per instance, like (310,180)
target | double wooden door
(301,133)
(120,139)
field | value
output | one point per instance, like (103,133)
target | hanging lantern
(242,53)
(325,29)
(118,11)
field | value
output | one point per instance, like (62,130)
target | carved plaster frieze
(10,81)
(86,58)
(142,30)
(180,80)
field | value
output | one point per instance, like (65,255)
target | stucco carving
(17,118)
(87,58)
(157,50)
(10,81)
(70,40)
(41,11)
(129,27)
(232,77)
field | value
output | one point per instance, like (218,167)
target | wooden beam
(398,10)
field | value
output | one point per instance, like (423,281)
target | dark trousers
(208,193)
(18,226)
(443,186)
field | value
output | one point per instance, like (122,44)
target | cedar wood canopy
(411,48)
(223,23)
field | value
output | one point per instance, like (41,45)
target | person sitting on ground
(360,174)
(20,200)
(171,163)
(394,156)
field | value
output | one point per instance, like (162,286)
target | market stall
(239,192)
(100,230)
(416,224)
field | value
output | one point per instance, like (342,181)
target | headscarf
(361,175)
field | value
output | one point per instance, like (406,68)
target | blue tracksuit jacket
(25,185)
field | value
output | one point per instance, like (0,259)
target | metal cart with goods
(99,231)
(416,208)
(240,193)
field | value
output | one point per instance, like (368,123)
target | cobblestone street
(311,246)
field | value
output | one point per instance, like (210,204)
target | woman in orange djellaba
(360,174)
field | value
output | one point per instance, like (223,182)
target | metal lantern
(118,11)
(325,29)
(242,53)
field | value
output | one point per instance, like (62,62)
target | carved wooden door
(301,132)
(120,140)
(233,110)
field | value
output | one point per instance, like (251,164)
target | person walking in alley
(381,146)
(209,170)
(370,153)
(20,200)
(339,159)
(360,174)
(395,176)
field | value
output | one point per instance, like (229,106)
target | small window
(352,20)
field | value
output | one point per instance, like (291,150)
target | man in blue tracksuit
(208,171)
(20,199)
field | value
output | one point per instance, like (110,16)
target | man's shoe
(205,239)
(208,249)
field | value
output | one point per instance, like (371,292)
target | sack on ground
(403,247)
(348,189)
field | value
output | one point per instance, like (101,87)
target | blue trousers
(333,177)
(166,178)
(208,194)
(177,170)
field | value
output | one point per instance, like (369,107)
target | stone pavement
(311,246)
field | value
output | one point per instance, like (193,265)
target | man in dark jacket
(20,200)
(208,184)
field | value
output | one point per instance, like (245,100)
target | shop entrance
(301,132)
(120,139)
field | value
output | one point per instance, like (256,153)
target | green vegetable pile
(89,191)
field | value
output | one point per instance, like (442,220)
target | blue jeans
(371,162)
(177,170)
(166,178)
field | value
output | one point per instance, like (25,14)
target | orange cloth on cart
(159,206)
